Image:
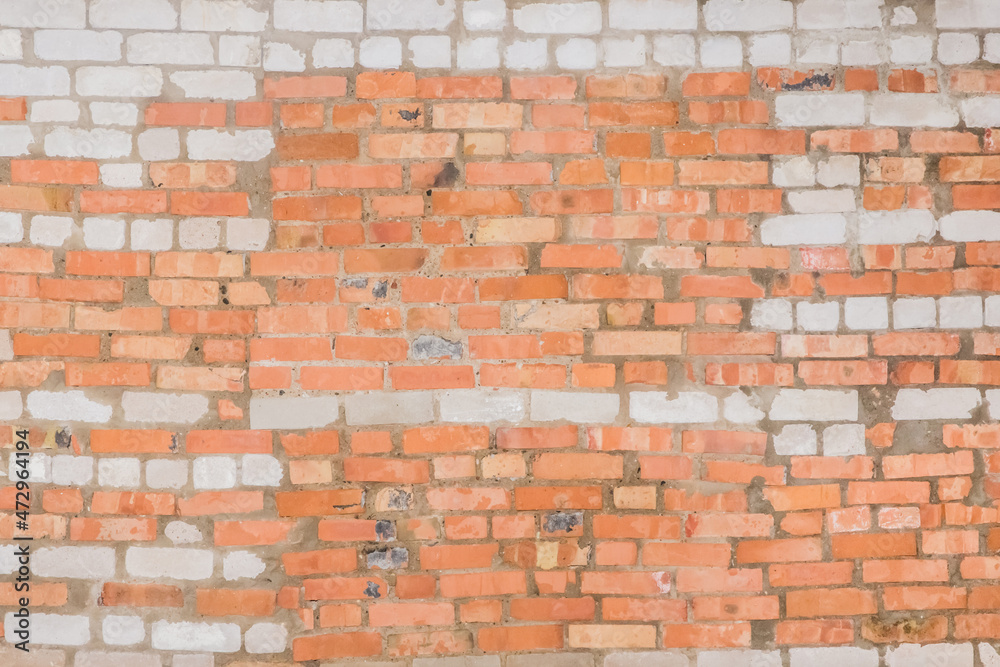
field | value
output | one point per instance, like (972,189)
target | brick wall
(469,334)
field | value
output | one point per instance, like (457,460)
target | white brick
(938,403)
(50,230)
(184,636)
(54,629)
(562,18)
(578,407)
(119,81)
(844,440)
(720,51)
(133,14)
(333,53)
(67,406)
(214,472)
(39,468)
(804,229)
(11,227)
(911,49)
(957,48)
(839,170)
(631,659)
(266,638)
(240,51)
(380,53)
(579,53)
(930,655)
(198,233)
(903,16)
(920,313)
(912,110)
(74,562)
(988,655)
(115,658)
(739,659)
(169,563)
(218,84)
(747,16)
(484,14)
(120,473)
(104,233)
(154,407)
(242,565)
(960,312)
(70,470)
(526,54)
(241,145)
(770,50)
(816,405)
(624,52)
(797,172)
(411,15)
(771,315)
(11,46)
(261,470)
(96,45)
(430,51)
(157,234)
(991,48)
(55,111)
(179,532)
(318,15)
(866,313)
(280,57)
(648,15)
(795,440)
(482,405)
(154,48)
(292,413)
(247,233)
(122,630)
(97,143)
(992,314)
(820,109)
(688,407)
(822,201)
(981,111)
(480,53)
(221,16)
(41,13)
(166,474)
(896,227)
(740,408)
(114,113)
(836,14)
(17,80)
(6,347)
(11,405)
(976,14)
(674,50)
(810,49)
(965,226)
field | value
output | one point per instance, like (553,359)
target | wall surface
(426,333)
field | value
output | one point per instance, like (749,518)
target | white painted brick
(911,49)
(411,15)
(981,111)
(822,201)
(266,638)
(817,50)
(580,53)
(648,15)
(903,16)
(17,80)
(839,170)
(817,405)
(896,227)
(241,145)
(380,53)
(844,440)
(960,312)
(674,50)
(992,311)
(11,227)
(430,51)
(74,562)
(991,47)
(817,316)
(55,111)
(318,15)
(912,110)
(484,14)
(719,51)
(837,14)
(198,233)
(482,405)
(169,563)
(114,113)
(747,15)
(820,109)
(70,470)
(11,405)
(772,314)
(624,52)
(116,658)
(976,14)
(687,407)
(120,473)
(11,45)
(159,143)
(221,16)
(154,48)
(179,532)
(96,45)
(247,233)
(578,407)
(919,313)
(185,636)
(333,53)
(214,472)
(740,408)
(40,13)
(804,229)
(153,407)
(122,630)
(104,233)
(67,406)
(965,226)
(797,172)
(240,51)
(166,474)
(156,234)
(261,470)
(795,440)
(242,565)
(957,48)
(937,403)
(133,14)
(526,54)
(629,659)
(139,81)
(39,468)
(280,57)
(98,143)
(770,50)
(862,53)
(562,18)
(54,629)
(218,84)
(6,346)
(988,655)
(292,413)
(930,655)
(739,659)
(866,313)
(50,230)
(479,53)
